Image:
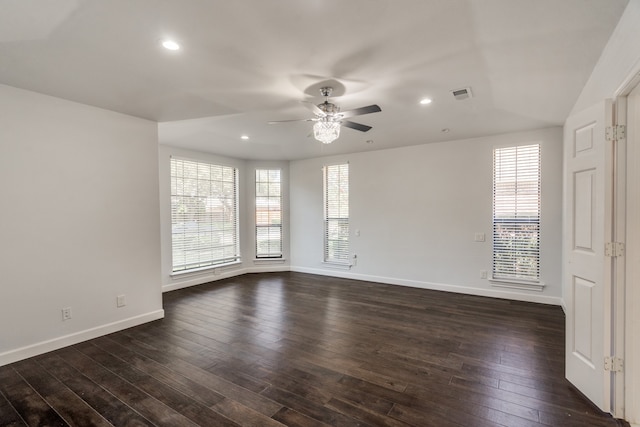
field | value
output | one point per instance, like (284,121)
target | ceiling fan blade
(275,122)
(356,126)
(314,108)
(360,111)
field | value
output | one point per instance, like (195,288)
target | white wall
(246,201)
(620,57)
(78,222)
(418,208)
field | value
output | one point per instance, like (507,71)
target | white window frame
(516,216)
(336,214)
(204,215)
(268,198)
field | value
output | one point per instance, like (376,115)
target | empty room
(320,213)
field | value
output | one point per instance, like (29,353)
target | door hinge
(615,133)
(614,249)
(613,364)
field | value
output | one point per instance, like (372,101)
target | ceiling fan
(328,118)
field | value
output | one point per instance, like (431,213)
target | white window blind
(516,213)
(204,214)
(336,213)
(268,213)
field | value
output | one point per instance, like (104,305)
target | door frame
(617,211)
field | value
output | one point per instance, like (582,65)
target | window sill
(203,270)
(337,265)
(517,284)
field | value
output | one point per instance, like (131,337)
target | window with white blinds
(268,213)
(516,213)
(204,214)
(336,213)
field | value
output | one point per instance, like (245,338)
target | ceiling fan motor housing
(329,108)
(326,91)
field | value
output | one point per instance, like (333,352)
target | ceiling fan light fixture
(328,118)
(326,131)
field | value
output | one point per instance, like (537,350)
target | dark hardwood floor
(302,350)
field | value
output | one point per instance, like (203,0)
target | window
(204,214)
(336,214)
(516,213)
(268,213)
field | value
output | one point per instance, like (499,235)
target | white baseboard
(77,337)
(225,274)
(494,293)
(267,268)
(57,343)
(199,279)
(564,307)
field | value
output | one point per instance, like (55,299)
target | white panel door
(586,288)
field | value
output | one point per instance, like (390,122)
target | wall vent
(462,93)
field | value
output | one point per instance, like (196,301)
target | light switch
(479,237)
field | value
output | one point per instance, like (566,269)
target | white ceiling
(247,62)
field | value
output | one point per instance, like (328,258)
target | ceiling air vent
(461,94)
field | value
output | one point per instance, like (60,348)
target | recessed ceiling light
(245,137)
(425,101)
(170,44)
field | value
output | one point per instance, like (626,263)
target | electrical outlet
(483,274)
(121,301)
(66,313)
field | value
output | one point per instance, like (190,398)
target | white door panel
(585,283)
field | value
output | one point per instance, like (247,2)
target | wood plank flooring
(301,350)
